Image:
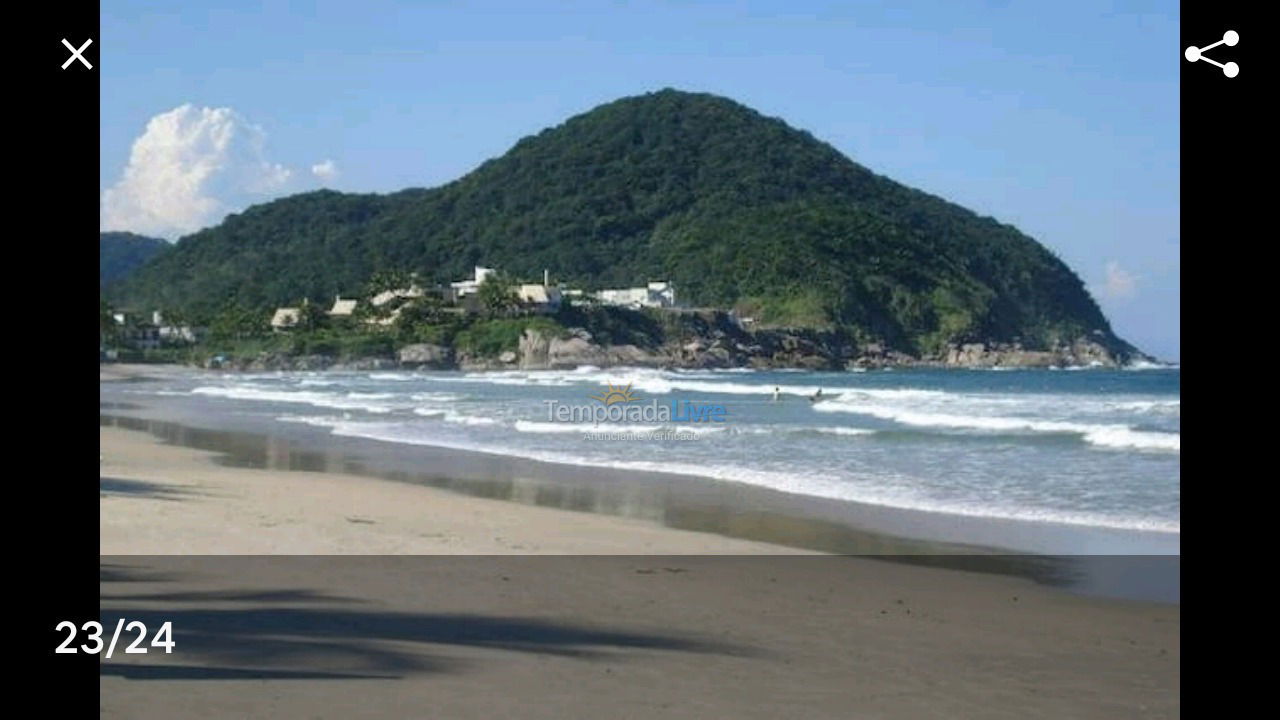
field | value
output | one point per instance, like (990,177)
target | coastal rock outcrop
(425,355)
(998,355)
(366,364)
(635,356)
(1081,352)
(535,350)
(542,351)
(274,361)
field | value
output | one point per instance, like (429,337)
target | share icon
(1229,38)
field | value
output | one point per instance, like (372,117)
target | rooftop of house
(286,316)
(387,296)
(342,306)
(538,293)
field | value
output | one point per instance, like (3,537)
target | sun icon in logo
(615,395)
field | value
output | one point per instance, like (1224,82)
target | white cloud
(1118,284)
(189,168)
(326,171)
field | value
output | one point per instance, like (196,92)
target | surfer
(816,396)
(777,394)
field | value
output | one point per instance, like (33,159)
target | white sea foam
(1148,365)
(1105,435)
(530,426)
(452,416)
(661,382)
(799,430)
(556,378)
(305,397)
(695,429)
(1124,437)
(329,421)
(839,430)
(462,419)
(1158,407)
(436,397)
(884,491)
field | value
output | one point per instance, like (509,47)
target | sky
(1058,118)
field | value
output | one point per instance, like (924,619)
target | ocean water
(1085,448)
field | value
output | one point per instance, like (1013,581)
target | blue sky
(1058,118)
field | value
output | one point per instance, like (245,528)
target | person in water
(816,396)
(777,394)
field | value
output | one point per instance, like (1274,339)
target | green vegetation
(120,253)
(238,322)
(800,308)
(490,338)
(341,344)
(497,294)
(736,209)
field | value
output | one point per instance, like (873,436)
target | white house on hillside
(655,294)
(467,287)
(170,333)
(152,334)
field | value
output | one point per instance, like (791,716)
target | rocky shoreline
(715,345)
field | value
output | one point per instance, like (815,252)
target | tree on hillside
(108,332)
(497,293)
(420,311)
(175,317)
(384,280)
(237,322)
(312,316)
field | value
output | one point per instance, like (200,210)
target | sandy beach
(158,499)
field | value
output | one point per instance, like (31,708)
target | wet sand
(160,499)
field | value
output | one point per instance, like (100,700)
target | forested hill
(120,253)
(735,208)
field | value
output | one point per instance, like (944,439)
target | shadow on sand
(301,634)
(139,488)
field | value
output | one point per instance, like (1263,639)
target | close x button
(77,53)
